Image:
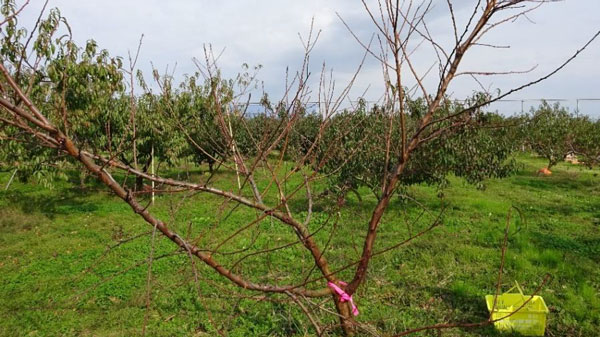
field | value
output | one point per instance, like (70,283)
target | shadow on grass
(472,309)
(585,247)
(556,188)
(63,198)
(51,202)
(555,183)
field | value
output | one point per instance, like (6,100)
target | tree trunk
(139,183)
(345,316)
(82,176)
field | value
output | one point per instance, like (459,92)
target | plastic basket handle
(519,289)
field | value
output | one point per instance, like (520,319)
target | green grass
(56,280)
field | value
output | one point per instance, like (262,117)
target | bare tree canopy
(70,106)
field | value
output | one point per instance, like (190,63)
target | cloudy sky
(266,32)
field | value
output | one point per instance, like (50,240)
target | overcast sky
(266,32)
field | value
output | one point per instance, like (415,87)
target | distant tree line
(86,91)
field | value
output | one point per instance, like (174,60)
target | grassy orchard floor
(49,238)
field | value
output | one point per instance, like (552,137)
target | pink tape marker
(344,297)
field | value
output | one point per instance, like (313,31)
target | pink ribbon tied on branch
(344,297)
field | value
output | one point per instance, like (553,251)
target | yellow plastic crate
(529,320)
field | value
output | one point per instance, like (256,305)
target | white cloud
(266,32)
